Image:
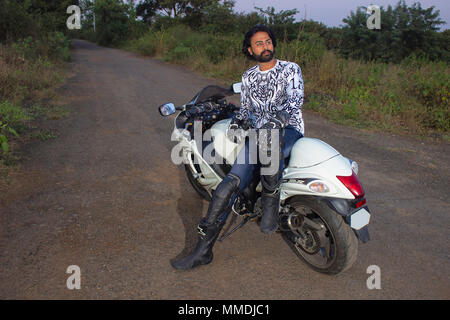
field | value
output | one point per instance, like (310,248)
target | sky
(331,12)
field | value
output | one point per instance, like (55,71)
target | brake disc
(310,242)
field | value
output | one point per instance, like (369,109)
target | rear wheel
(319,236)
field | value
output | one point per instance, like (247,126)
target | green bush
(26,48)
(432,85)
(54,45)
(432,89)
(179,53)
(145,45)
(308,49)
(220,48)
(12,120)
(57,46)
(13,116)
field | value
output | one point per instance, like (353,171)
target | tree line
(405,30)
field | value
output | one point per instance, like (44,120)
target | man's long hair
(246,43)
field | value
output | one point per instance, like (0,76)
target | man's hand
(266,135)
(236,131)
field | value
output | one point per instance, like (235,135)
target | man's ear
(250,50)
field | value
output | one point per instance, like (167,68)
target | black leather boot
(210,226)
(270,195)
(270,202)
(202,254)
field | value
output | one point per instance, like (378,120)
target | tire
(336,237)
(197,186)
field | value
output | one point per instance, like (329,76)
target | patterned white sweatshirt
(263,93)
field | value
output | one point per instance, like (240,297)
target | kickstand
(240,225)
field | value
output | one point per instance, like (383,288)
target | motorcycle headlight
(354,165)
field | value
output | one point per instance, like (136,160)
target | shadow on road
(190,209)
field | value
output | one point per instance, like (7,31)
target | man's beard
(262,58)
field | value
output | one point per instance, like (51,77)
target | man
(271,98)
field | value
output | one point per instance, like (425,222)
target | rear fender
(297,181)
(346,208)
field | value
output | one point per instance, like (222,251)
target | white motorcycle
(323,211)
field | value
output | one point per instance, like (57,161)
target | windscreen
(211,92)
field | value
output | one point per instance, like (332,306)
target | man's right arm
(244,110)
(241,120)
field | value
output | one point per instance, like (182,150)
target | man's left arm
(295,93)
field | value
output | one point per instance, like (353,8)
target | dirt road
(106,197)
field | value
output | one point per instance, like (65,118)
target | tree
(282,23)
(15,22)
(333,38)
(245,21)
(175,6)
(282,17)
(218,17)
(50,15)
(147,9)
(404,31)
(359,42)
(111,21)
(22,18)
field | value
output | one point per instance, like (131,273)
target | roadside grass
(410,98)
(30,71)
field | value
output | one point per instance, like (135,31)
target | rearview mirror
(167,109)
(237,87)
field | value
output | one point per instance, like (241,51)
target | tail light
(359,204)
(352,184)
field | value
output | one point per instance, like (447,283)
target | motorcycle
(323,210)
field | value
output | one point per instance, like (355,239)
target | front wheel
(319,236)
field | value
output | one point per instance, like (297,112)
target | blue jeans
(246,171)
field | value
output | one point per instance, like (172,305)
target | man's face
(261,47)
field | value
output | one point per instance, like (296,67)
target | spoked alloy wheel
(319,236)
